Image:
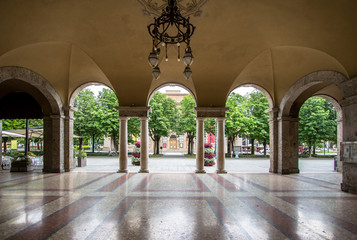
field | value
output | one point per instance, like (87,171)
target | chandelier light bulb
(188,58)
(156,72)
(153,59)
(187,73)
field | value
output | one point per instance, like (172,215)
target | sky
(242,90)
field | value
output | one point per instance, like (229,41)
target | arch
(170,84)
(305,88)
(260,88)
(15,78)
(335,104)
(75,93)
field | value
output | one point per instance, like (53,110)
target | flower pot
(82,162)
(21,166)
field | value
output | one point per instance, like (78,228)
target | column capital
(123,118)
(144,118)
(221,118)
(211,112)
(69,111)
(348,101)
(133,111)
(200,118)
(288,119)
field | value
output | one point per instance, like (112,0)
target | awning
(11,134)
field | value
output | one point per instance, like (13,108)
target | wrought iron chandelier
(171,28)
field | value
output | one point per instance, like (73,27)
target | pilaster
(68,138)
(54,144)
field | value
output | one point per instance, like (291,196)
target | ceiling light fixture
(171,28)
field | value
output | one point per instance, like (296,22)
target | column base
(122,171)
(200,171)
(289,171)
(143,171)
(348,188)
(222,171)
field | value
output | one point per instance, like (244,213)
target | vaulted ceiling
(268,43)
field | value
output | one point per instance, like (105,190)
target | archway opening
(318,145)
(96,128)
(172,129)
(247,130)
(22,111)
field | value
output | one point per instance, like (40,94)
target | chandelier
(171,28)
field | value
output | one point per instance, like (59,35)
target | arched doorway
(21,86)
(173,142)
(247,129)
(313,84)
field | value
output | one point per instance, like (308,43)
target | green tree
(256,106)
(108,115)
(187,120)
(317,122)
(237,123)
(87,117)
(163,118)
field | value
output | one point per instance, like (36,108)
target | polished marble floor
(108,205)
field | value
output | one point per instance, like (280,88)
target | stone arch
(305,88)
(15,78)
(288,119)
(170,84)
(37,86)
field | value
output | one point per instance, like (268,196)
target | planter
(136,163)
(210,164)
(82,162)
(21,166)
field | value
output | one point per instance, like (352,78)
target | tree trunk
(192,145)
(189,146)
(157,146)
(253,150)
(314,151)
(265,147)
(93,143)
(5,145)
(310,149)
(80,143)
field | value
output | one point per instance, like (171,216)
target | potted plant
(81,156)
(21,163)
(209,155)
(135,156)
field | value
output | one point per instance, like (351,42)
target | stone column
(53,159)
(288,159)
(68,139)
(349,167)
(220,145)
(144,145)
(199,145)
(339,123)
(123,145)
(274,136)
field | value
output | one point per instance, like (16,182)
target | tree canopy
(317,122)
(187,120)
(163,118)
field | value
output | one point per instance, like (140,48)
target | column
(123,145)
(199,145)
(349,167)
(220,145)
(288,159)
(339,123)
(68,139)
(144,145)
(53,155)
(274,136)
